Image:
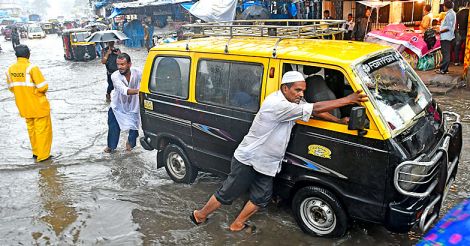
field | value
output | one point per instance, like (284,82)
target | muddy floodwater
(87,197)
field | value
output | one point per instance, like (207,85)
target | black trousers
(110,83)
(445,48)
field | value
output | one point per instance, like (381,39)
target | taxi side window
(323,84)
(170,76)
(229,84)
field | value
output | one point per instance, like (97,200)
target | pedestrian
(28,85)
(460,34)
(98,47)
(349,27)
(326,15)
(447,36)
(109,59)
(258,157)
(123,113)
(426,22)
(362,27)
(146,36)
(15,37)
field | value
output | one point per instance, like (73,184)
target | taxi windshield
(80,36)
(399,94)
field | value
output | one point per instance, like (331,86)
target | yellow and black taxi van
(392,164)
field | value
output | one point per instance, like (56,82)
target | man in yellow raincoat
(27,83)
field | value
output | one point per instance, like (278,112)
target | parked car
(393,164)
(35,32)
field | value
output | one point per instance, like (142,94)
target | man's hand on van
(344,120)
(132,91)
(357,97)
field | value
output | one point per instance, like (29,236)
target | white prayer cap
(292,76)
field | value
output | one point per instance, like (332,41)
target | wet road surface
(89,197)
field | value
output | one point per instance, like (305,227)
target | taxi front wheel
(178,166)
(319,213)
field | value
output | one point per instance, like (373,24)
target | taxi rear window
(170,76)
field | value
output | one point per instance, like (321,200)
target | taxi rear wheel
(178,166)
(319,213)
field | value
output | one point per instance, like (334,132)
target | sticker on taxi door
(148,104)
(320,151)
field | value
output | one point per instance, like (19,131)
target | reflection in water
(59,212)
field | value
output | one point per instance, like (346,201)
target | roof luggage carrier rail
(305,28)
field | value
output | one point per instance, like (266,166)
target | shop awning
(145,3)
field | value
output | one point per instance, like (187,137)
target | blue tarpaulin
(187,6)
(101,4)
(115,13)
(135,32)
(247,4)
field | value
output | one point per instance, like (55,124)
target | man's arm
(132,91)
(329,117)
(38,79)
(326,106)
(104,59)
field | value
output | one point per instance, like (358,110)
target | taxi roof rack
(302,28)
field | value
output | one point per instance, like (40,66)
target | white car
(36,32)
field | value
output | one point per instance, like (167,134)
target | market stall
(419,54)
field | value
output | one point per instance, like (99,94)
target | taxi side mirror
(358,120)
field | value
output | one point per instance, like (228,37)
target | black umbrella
(255,12)
(106,36)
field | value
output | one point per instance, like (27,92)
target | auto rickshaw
(48,27)
(75,46)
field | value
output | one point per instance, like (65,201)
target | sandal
(248,228)
(193,219)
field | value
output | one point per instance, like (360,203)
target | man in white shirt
(258,157)
(349,27)
(124,112)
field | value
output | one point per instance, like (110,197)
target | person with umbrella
(110,53)
(109,59)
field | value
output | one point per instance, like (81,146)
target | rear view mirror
(358,120)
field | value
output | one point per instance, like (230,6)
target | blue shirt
(449,24)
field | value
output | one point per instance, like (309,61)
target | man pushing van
(259,156)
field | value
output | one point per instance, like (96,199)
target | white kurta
(126,107)
(265,144)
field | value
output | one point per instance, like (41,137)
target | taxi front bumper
(425,184)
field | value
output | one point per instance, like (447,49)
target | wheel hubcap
(176,165)
(318,215)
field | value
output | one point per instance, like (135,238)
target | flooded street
(89,197)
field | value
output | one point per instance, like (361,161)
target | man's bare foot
(128,146)
(248,227)
(237,226)
(107,150)
(198,217)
